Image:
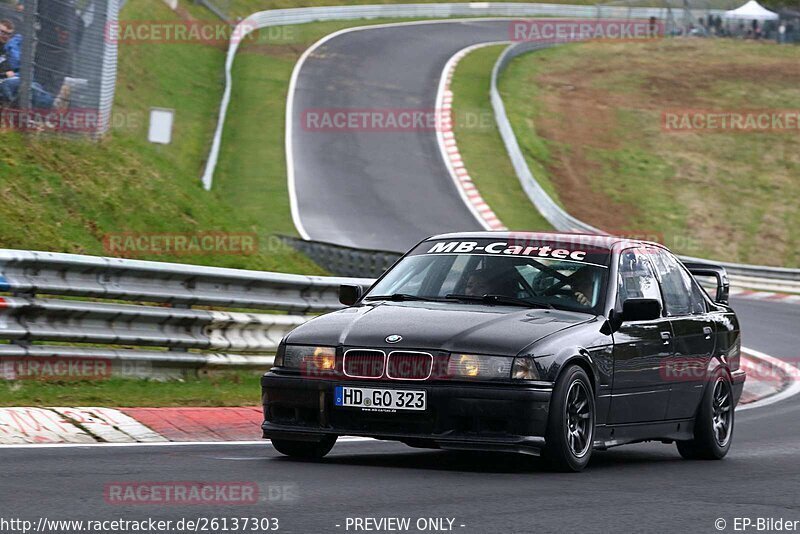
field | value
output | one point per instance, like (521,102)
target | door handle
(666,337)
(707,331)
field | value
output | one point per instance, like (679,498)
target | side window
(681,293)
(636,278)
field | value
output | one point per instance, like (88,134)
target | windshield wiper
(400,297)
(501,299)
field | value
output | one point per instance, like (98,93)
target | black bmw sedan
(543,344)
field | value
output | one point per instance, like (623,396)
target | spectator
(12,49)
(10,80)
(58,37)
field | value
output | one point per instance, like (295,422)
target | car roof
(605,241)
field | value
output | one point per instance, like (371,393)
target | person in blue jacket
(10,59)
(12,48)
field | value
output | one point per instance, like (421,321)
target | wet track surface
(645,487)
(358,188)
(381,190)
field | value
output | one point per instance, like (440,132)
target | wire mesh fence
(57,65)
(706,18)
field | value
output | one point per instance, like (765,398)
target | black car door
(640,391)
(693,332)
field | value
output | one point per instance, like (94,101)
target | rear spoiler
(718,272)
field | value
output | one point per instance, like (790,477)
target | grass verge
(245,7)
(68,195)
(589,119)
(225,388)
(251,173)
(479,143)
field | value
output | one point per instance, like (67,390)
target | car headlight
(479,367)
(307,358)
(278,362)
(525,369)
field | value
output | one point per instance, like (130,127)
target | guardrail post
(28,50)
(179,306)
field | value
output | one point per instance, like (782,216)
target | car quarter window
(682,295)
(636,277)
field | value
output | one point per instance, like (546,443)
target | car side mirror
(349,295)
(641,310)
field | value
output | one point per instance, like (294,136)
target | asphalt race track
(386,191)
(645,487)
(379,190)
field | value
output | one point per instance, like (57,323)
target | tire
(571,424)
(305,450)
(713,427)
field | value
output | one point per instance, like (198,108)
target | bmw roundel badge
(394,338)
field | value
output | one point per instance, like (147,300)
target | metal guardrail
(345,261)
(123,311)
(550,210)
(136,317)
(215,9)
(26,273)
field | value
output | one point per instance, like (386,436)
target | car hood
(453,327)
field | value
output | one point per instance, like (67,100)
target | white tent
(752,10)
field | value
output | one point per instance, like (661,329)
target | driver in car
(491,282)
(477,284)
(582,286)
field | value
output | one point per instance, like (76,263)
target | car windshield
(494,272)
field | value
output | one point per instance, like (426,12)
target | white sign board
(160,125)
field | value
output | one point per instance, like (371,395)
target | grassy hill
(589,120)
(479,143)
(68,195)
(71,195)
(245,7)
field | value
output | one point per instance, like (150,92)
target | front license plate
(375,399)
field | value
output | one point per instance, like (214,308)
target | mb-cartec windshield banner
(576,251)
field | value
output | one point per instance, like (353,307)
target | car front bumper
(507,417)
